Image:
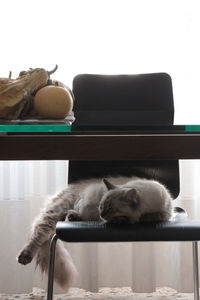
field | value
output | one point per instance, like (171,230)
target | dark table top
(101,145)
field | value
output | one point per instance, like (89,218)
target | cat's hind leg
(45,224)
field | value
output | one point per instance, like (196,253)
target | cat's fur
(120,199)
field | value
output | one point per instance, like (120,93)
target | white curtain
(143,266)
(107,37)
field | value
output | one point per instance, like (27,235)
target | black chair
(115,102)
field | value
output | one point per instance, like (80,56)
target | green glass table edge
(69,128)
(192,128)
(35,128)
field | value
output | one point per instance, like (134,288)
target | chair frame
(52,262)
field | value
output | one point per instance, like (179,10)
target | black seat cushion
(180,230)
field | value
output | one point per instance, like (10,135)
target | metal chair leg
(195,270)
(51,267)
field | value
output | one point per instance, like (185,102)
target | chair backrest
(125,100)
(145,99)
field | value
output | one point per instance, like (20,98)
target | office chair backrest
(123,100)
(145,99)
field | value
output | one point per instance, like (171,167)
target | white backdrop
(107,37)
(143,266)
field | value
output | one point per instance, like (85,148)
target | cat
(136,200)
(115,200)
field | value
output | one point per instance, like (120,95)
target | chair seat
(177,230)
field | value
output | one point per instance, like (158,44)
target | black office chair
(116,102)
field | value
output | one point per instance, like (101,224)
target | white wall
(107,36)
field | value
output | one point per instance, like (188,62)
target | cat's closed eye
(105,206)
(108,206)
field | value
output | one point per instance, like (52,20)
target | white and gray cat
(118,200)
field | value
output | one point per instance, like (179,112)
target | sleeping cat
(117,200)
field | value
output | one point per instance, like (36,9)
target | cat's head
(119,204)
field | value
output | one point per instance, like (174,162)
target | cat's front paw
(72,215)
(25,257)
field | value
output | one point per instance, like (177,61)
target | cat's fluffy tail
(65,271)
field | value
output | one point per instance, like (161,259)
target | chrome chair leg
(51,267)
(195,270)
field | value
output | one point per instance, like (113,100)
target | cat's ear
(132,196)
(108,184)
